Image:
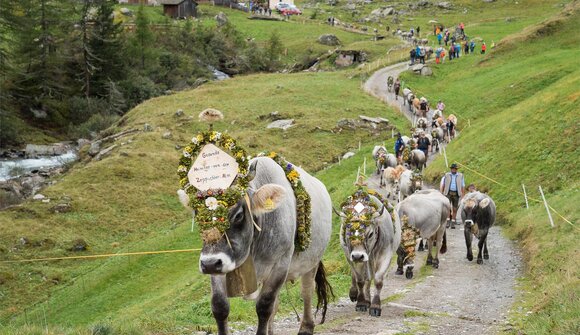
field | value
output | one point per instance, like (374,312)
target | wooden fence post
(525,196)
(547,208)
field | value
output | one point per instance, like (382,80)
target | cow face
(359,230)
(471,209)
(226,253)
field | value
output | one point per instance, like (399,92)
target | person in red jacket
(483,47)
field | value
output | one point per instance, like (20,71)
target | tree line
(70,68)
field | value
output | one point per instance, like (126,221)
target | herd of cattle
(263,228)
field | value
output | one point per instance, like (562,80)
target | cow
(390,180)
(408,184)
(477,211)
(427,211)
(417,159)
(369,238)
(438,136)
(380,157)
(270,205)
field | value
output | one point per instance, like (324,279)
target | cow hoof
(429,261)
(409,274)
(485,256)
(375,311)
(421,248)
(436,265)
(399,271)
(452,226)
(479,261)
(361,308)
(470,257)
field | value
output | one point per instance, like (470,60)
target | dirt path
(460,297)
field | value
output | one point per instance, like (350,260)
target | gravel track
(460,297)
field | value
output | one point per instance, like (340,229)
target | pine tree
(143,35)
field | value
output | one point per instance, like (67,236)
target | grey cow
(427,211)
(369,239)
(477,211)
(272,249)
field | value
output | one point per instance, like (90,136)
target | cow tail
(324,291)
(444,244)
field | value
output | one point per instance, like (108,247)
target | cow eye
(237,216)
(371,234)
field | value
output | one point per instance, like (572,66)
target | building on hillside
(179,9)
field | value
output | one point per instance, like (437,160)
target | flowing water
(13,168)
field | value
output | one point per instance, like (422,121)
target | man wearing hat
(399,147)
(453,187)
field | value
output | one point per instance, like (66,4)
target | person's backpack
(422,52)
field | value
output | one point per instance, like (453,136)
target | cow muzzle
(219,263)
(358,256)
(468,222)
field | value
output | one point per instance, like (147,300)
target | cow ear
(267,198)
(183,198)
(484,203)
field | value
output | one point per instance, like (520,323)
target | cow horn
(338,213)
(252,170)
(379,213)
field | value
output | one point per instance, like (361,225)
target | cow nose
(211,265)
(357,257)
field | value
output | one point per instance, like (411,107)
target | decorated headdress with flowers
(211,204)
(358,212)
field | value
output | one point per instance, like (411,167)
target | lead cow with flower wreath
(369,236)
(274,216)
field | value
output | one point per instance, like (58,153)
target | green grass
(521,101)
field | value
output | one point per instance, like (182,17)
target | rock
(348,155)
(388,11)
(166,135)
(179,112)
(39,113)
(147,127)
(124,154)
(488,1)
(46,201)
(198,82)
(126,11)
(329,39)
(445,5)
(426,71)
(417,67)
(81,142)
(371,119)
(79,245)
(61,208)
(178,147)
(95,148)
(281,124)
(38,197)
(510,19)
(350,6)
(221,19)
(36,150)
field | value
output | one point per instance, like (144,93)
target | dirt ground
(460,297)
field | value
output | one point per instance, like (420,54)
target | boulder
(81,142)
(373,119)
(166,135)
(388,11)
(95,148)
(126,11)
(36,150)
(179,112)
(105,152)
(221,19)
(281,124)
(348,155)
(445,5)
(329,39)
(426,71)
(38,197)
(350,6)
(147,127)
(417,67)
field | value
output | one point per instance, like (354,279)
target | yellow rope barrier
(100,256)
(519,192)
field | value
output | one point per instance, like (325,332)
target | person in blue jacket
(399,147)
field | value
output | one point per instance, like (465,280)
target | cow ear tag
(269,204)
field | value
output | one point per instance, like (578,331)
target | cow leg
(362,300)
(439,244)
(482,239)
(421,247)
(307,325)
(220,306)
(271,322)
(485,252)
(400,258)
(353,292)
(380,272)
(429,251)
(467,232)
(267,299)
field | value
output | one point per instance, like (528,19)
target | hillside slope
(521,101)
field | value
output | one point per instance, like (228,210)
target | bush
(92,126)
(82,109)
(8,131)
(138,89)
